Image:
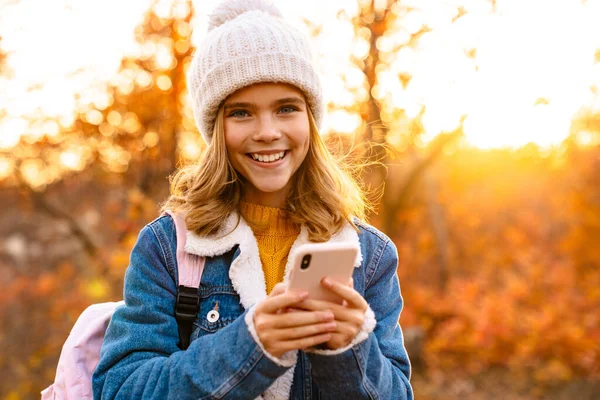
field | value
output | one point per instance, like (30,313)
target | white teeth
(268,158)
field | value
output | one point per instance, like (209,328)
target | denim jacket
(140,358)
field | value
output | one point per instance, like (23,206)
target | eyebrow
(286,100)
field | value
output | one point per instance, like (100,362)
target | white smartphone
(312,262)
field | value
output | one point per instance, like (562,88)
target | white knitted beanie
(248,42)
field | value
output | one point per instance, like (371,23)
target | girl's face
(267,137)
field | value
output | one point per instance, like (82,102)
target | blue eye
(238,114)
(287,109)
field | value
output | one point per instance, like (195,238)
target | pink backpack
(81,352)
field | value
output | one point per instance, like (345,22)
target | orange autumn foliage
(523,263)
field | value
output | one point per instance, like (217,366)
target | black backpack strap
(186,310)
(190,269)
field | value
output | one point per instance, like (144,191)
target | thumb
(279,289)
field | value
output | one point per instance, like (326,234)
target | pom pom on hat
(231,9)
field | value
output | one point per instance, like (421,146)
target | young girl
(265,185)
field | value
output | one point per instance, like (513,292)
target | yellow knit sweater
(275,234)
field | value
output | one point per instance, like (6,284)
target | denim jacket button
(212,316)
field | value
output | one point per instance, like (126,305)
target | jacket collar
(246,272)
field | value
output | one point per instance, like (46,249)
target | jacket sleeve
(378,367)
(140,358)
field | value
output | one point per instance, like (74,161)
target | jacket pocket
(219,306)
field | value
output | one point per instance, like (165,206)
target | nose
(267,130)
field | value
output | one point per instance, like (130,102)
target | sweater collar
(268,220)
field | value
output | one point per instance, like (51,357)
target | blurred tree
(125,130)
(401,167)
(137,134)
(376,22)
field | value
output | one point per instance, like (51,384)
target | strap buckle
(187,304)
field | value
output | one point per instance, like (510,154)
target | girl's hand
(280,331)
(349,316)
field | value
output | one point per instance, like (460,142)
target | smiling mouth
(268,158)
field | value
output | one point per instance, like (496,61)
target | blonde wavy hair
(325,197)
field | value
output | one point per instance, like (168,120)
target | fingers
(344,334)
(280,288)
(278,348)
(273,303)
(299,332)
(280,333)
(308,342)
(351,296)
(294,319)
(320,305)
(302,317)
(340,312)
(338,340)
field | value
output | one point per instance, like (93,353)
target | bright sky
(533,66)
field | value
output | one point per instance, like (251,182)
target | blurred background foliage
(499,246)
